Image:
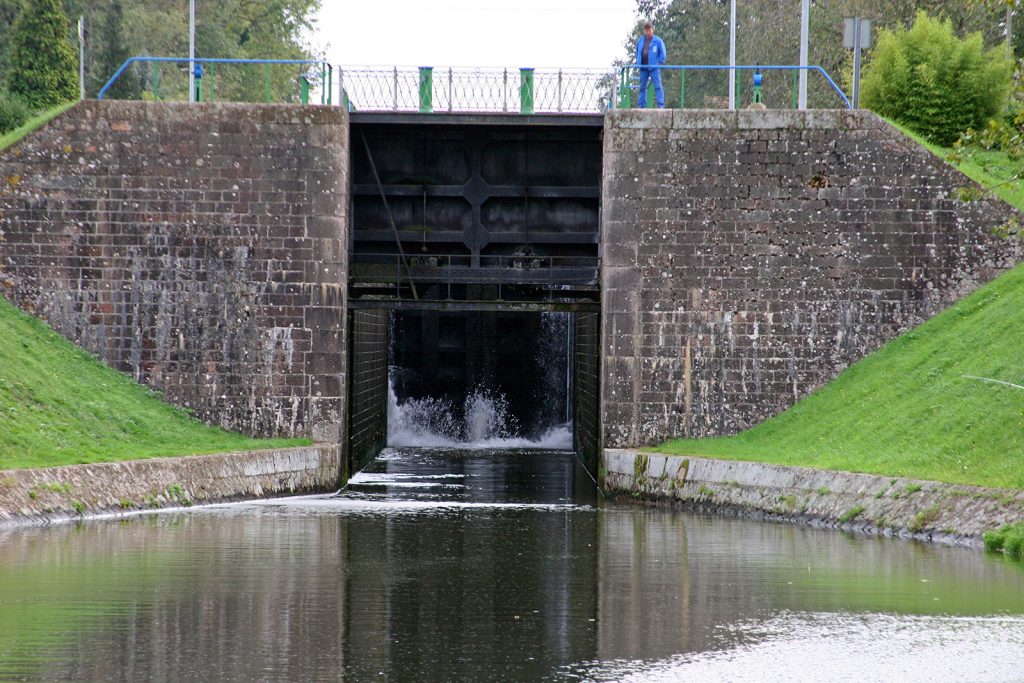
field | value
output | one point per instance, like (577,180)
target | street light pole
(191,50)
(732,54)
(805,29)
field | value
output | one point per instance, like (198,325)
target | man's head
(648,29)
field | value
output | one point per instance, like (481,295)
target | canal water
(484,564)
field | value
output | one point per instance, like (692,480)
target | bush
(13,113)
(933,82)
(44,68)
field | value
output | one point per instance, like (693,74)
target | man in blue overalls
(650,55)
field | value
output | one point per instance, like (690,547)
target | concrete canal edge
(54,494)
(892,506)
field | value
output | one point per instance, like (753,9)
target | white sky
(508,33)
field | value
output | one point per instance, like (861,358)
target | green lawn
(909,409)
(60,406)
(33,124)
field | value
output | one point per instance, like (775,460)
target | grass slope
(908,409)
(60,406)
(33,124)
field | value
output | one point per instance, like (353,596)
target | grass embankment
(909,409)
(60,406)
(33,124)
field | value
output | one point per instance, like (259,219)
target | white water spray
(432,423)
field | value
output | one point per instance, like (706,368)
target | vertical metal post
(191,50)
(526,90)
(267,74)
(394,89)
(81,58)
(856,62)
(732,54)
(682,88)
(559,90)
(796,87)
(213,93)
(805,22)
(449,88)
(323,83)
(625,101)
(504,90)
(304,89)
(330,84)
(426,89)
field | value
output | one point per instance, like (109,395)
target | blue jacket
(656,55)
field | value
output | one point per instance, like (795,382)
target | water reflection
(488,565)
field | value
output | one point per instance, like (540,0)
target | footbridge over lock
(256,263)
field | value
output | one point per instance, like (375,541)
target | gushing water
(433,423)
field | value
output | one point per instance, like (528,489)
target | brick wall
(751,256)
(199,248)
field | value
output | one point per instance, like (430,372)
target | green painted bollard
(682,88)
(526,91)
(624,99)
(426,89)
(651,103)
(304,85)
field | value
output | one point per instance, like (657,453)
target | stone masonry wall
(748,257)
(199,248)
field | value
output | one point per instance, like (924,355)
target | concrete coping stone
(886,505)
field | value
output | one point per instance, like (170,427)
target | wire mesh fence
(451,89)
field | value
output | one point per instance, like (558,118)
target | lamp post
(805,29)
(191,50)
(732,54)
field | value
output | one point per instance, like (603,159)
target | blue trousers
(654,75)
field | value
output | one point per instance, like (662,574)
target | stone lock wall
(200,248)
(748,257)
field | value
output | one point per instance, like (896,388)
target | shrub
(933,82)
(43,68)
(13,113)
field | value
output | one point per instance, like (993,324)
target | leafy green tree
(44,67)
(934,82)
(114,52)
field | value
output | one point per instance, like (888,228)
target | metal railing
(676,90)
(451,89)
(301,78)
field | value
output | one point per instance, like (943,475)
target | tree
(934,82)
(114,52)
(44,66)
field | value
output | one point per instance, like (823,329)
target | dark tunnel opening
(481,377)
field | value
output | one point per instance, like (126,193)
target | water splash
(433,423)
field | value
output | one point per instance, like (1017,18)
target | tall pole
(732,54)
(81,58)
(805,30)
(191,50)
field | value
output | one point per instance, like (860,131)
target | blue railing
(626,87)
(203,65)
(420,89)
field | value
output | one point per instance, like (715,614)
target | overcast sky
(511,33)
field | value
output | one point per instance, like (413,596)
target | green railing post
(651,104)
(426,89)
(682,88)
(624,99)
(330,83)
(526,90)
(796,88)
(156,80)
(213,90)
(267,70)
(304,89)
(323,84)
